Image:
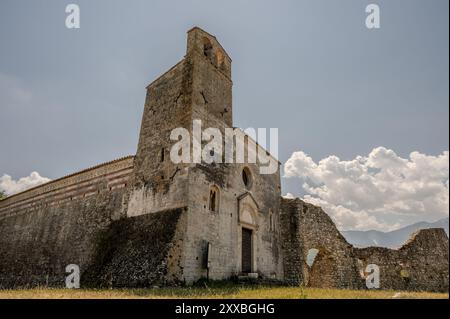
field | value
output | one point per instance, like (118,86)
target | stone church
(144,220)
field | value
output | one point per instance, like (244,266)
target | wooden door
(246,250)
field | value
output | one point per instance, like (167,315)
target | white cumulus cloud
(379,191)
(11,186)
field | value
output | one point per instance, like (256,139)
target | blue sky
(70,99)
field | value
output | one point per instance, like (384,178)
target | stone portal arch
(247,233)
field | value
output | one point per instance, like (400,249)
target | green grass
(227,291)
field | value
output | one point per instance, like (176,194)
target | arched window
(271,221)
(207,48)
(214,199)
(247,177)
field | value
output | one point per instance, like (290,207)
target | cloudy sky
(362,114)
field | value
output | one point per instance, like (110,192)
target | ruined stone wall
(305,227)
(420,264)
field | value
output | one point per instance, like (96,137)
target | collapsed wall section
(421,264)
(307,228)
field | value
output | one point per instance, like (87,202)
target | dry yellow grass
(228,292)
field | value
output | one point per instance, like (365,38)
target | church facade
(147,220)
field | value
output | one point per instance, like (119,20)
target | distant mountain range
(392,239)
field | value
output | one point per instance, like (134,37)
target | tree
(2,195)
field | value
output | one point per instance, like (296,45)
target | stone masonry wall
(157,183)
(139,251)
(38,241)
(144,220)
(304,227)
(211,102)
(89,182)
(36,246)
(223,229)
(46,228)
(420,264)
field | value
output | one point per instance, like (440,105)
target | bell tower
(211,74)
(196,88)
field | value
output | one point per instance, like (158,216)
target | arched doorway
(246,250)
(247,232)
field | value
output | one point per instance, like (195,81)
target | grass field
(232,292)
